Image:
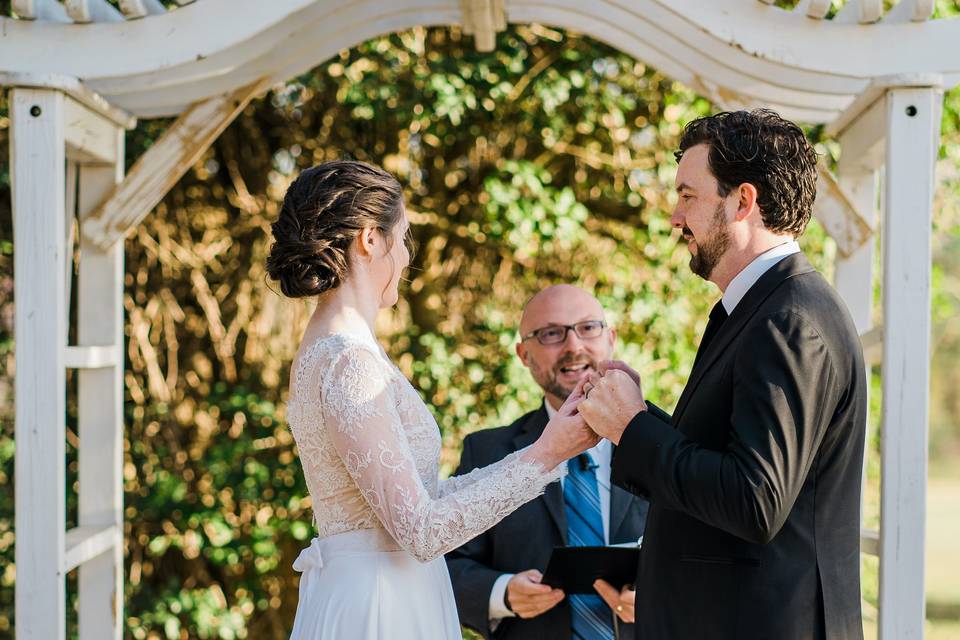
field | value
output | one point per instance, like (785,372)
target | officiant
(497,576)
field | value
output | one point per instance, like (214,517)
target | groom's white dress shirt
(748,277)
(601,455)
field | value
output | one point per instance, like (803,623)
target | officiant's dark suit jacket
(753,529)
(524,539)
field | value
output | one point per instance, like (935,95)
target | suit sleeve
(784,393)
(470,574)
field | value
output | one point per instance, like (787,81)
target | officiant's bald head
(563,337)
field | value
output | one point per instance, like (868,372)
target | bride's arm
(359,411)
(454,484)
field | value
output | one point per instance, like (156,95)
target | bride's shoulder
(334,350)
(335,368)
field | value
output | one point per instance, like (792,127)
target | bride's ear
(368,243)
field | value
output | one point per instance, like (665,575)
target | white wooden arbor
(81,71)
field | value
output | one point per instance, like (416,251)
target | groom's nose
(677,220)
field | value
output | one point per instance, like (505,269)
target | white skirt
(361,584)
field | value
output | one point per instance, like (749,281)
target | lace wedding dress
(370,452)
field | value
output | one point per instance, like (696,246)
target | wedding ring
(619,608)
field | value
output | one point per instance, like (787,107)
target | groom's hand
(609,365)
(622,602)
(611,402)
(528,597)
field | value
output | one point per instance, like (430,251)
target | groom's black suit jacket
(524,539)
(753,529)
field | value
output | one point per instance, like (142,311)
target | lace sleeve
(454,484)
(360,413)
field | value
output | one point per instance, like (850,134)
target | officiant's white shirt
(601,455)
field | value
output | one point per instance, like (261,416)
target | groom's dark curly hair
(763,149)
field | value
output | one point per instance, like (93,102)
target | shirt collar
(550,410)
(748,277)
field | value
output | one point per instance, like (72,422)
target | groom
(753,529)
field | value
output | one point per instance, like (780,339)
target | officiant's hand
(610,403)
(622,602)
(528,597)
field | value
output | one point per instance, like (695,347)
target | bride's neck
(350,308)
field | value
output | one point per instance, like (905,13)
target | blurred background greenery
(548,160)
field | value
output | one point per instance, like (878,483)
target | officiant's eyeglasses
(557,333)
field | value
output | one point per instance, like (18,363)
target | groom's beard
(548,379)
(710,250)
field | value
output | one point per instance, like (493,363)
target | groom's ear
(746,201)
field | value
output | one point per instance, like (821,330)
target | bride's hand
(569,406)
(566,435)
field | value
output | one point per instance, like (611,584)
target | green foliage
(530,215)
(548,160)
(945,337)
(7,569)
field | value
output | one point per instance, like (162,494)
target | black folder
(574,569)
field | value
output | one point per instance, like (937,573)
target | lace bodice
(370,451)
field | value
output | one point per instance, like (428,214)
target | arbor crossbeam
(157,170)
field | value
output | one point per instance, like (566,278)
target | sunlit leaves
(531,215)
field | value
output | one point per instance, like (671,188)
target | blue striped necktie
(591,616)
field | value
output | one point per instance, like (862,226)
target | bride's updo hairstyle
(324,209)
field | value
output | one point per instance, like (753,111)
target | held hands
(620,365)
(528,597)
(622,602)
(611,398)
(565,436)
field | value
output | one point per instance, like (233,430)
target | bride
(368,445)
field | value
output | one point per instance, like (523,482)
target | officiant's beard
(711,250)
(554,387)
(547,378)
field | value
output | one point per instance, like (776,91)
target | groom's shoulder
(807,298)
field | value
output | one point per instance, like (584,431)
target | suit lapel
(790,266)
(553,498)
(553,495)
